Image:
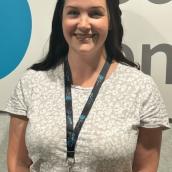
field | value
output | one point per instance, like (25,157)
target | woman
(85,107)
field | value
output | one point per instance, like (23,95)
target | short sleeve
(18,101)
(153,111)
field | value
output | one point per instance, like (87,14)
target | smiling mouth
(84,36)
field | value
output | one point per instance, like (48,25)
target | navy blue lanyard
(73,133)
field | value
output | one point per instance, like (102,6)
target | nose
(84,24)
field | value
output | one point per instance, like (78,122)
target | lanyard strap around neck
(73,133)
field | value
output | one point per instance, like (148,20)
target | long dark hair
(58,47)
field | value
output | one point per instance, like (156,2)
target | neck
(85,68)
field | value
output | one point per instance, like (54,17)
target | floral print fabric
(129,99)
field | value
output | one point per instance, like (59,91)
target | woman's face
(85,25)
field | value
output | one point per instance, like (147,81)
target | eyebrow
(94,7)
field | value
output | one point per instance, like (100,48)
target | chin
(85,50)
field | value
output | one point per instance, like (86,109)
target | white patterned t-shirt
(128,99)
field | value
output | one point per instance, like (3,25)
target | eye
(73,13)
(95,14)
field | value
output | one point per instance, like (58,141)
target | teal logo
(15,33)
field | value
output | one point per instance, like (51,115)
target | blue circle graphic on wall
(15,33)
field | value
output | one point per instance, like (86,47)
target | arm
(17,155)
(147,154)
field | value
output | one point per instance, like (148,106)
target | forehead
(85,3)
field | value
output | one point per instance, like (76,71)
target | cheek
(102,27)
(68,27)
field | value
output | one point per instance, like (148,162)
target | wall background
(145,22)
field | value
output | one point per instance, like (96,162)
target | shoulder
(30,77)
(143,84)
(146,87)
(135,76)
(33,77)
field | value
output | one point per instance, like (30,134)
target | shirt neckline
(113,74)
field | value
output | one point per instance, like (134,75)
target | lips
(84,36)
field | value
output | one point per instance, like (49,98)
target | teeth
(82,36)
